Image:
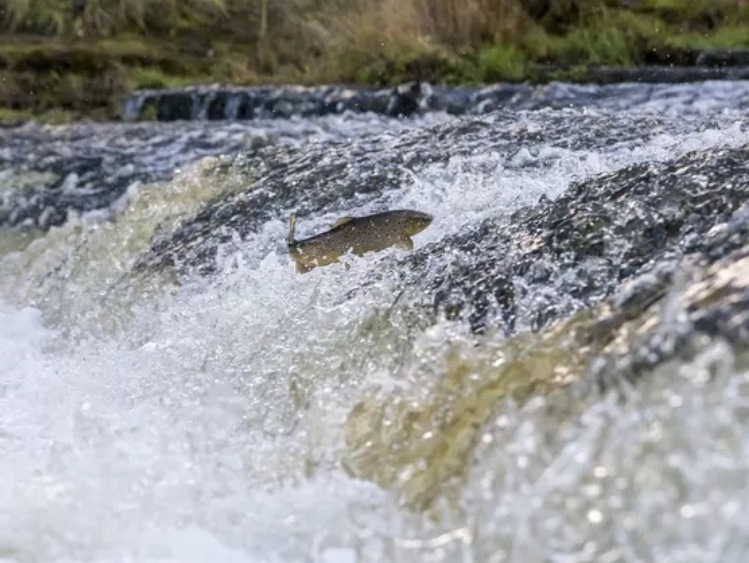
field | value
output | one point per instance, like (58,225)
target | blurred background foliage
(52,52)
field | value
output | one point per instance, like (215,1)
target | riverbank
(65,65)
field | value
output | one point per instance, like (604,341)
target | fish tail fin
(292,230)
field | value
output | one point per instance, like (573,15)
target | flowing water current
(243,412)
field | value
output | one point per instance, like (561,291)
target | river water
(245,412)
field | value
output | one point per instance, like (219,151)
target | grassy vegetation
(78,57)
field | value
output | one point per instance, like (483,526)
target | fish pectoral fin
(302,268)
(405,243)
(342,221)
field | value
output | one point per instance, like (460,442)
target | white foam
(211,427)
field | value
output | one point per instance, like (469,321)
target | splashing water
(217,418)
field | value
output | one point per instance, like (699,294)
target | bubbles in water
(259,414)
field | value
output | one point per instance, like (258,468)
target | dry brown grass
(362,41)
(470,23)
(458,24)
(374,38)
(374,30)
(105,17)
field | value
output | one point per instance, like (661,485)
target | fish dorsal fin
(342,221)
(291,239)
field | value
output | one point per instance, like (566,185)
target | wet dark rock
(599,87)
(724,308)
(328,177)
(665,74)
(47,173)
(723,57)
(545,262)
(675,311)
(213,102)
(174,105)
(655,253)
(516,272)
(290,179)
(90,166)
(404,100)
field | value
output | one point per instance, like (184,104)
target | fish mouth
(423,216)
(418,221)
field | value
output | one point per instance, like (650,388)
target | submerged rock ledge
(519,272)
(615,279)
(602,84)
(546,261)
(49,173)
(676,311)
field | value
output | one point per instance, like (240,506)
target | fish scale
(357,235)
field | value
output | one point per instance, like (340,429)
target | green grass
(152,78)
(82,63)
(53,116)
(500,62)
(728,37)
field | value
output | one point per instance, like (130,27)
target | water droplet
(688,511)
(339,555)
(593,490)
(600,472)
(502,421)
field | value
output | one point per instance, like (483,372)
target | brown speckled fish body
(357,235)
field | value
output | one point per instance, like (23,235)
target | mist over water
(211,418)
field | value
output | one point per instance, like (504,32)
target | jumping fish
(358,235)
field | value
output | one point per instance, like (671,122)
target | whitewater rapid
(207,420)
